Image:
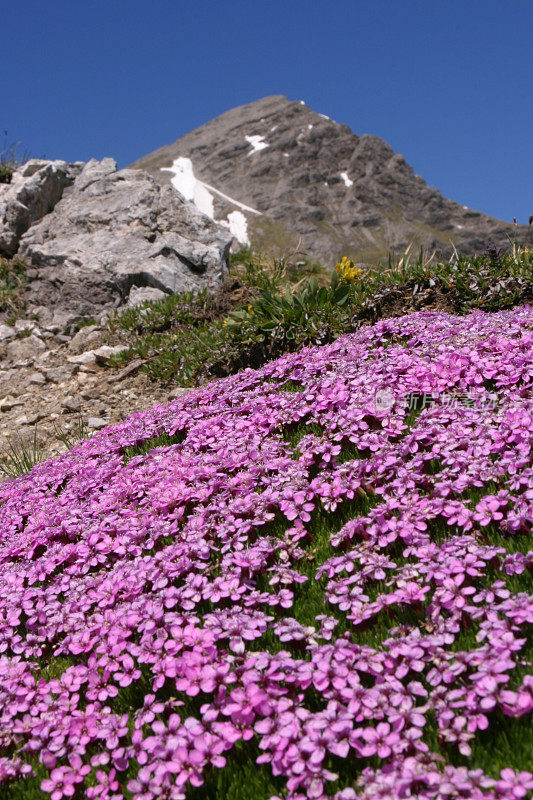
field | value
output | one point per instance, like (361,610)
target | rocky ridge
(278,174)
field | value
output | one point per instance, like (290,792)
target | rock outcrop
(117,230)
(35,189)
(276,173)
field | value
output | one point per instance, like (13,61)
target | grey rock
(131,369)
(143,294)
(22,325)
(8,402)
(43,314)
(114,230)
(37,416)
(34,191)
(96,423)
(321,187)
(104,353)
(63,321)
(9,383)
(24,349)
(71,405)
(83,358)
(7,332)
(58,374)
(177,392)
(83,337)
(36,379)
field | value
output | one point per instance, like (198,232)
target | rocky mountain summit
(276,173)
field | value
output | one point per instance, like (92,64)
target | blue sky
(445,82)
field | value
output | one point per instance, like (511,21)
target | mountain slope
(278,174)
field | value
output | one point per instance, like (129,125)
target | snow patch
(238,226)
(273,128)
(232,201)
(324,116)
(286,155)
(302,102)
(346,179)
(257,143)
(459,226)
(190,187)
(201,194)
(310,127)
(465,208)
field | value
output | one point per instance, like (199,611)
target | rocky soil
(52,379)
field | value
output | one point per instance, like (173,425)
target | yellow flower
(347,270)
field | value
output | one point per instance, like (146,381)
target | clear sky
(448,83)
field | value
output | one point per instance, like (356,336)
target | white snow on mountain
(238,226)
(201,194)
(231,200)
(257,143)
(346,179)
(191,188)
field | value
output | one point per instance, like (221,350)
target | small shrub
(10,160)
(292,319)
(12,282)
(71,437)
(85,323)
(6,171)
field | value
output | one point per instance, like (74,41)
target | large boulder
(35,189)
(114,230)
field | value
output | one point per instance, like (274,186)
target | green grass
(86,322)
(270,308)
(20,456)
(12,282)
(240,779)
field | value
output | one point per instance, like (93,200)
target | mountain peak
(281,176)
